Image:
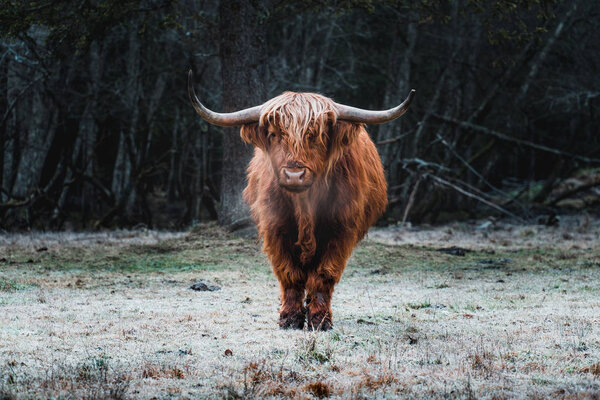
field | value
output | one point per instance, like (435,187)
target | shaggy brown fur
(309,236)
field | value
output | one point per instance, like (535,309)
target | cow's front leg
(319,288)
(291,314)
(292,282)
(322,279)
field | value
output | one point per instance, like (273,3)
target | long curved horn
(242,117)
(354,114)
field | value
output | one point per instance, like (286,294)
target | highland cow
(315,186)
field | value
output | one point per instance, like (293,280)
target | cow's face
(302,137)
(297,158)
(301,157)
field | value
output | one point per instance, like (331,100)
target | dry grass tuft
(374,382)
(263,379)
(319,389)
(314,348)
(90,379)
(593,369)
(153,371)
(482,362)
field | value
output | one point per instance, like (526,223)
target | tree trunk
(126,160)
(11,155)
(83,158)
(243,57)
(172,184)
(3,106)
(541,56)
(398,85)
(39,129)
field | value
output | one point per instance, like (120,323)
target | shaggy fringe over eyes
(296,113)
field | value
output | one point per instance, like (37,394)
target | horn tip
(410,96)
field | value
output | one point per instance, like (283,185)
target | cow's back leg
(292,283)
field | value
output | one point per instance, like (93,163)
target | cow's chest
(308,240)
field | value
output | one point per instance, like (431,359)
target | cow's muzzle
(295,179)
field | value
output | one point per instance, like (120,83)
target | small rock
(412,339)
(204,287)
(380,271)
(455,251)
(550,220)
(228,353)
(363,321)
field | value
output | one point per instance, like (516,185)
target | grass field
(112,316)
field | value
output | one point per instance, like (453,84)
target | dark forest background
(97,129)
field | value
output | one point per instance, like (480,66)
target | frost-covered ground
(110,315)
(562,232)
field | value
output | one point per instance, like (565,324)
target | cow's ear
(254,135)
(344,133)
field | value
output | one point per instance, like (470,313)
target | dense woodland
(97,130)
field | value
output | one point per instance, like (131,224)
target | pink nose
(294,176)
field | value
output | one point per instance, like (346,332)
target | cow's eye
(270,136)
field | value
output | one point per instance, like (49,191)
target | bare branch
(499,135)
(472,195)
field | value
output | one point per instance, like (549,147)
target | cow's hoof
(292,321)
(320,321)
